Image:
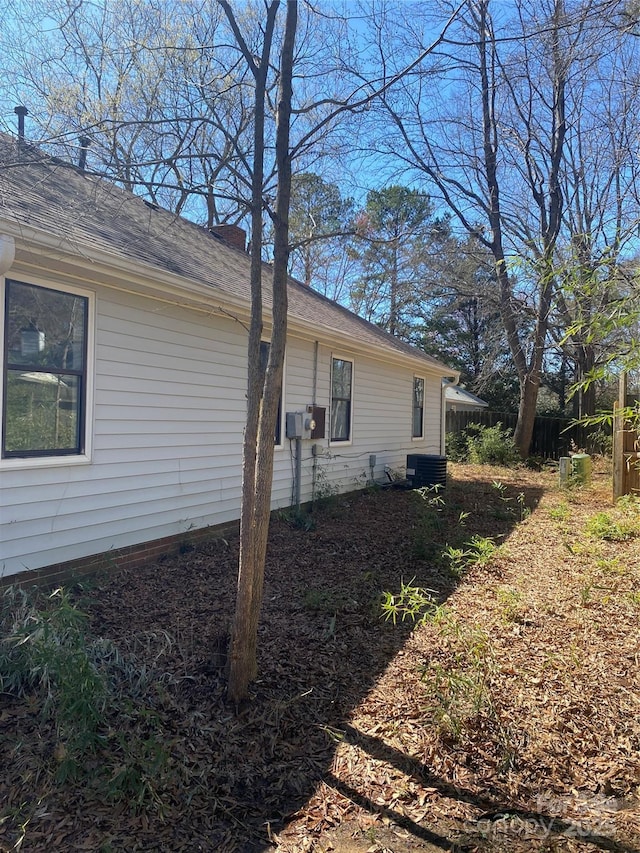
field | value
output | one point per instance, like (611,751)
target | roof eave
(147,279)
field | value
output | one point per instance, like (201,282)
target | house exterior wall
(381,419)
(167,417)
(463,407)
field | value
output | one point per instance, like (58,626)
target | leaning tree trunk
(523,433)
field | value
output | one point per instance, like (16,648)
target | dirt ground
(506,720)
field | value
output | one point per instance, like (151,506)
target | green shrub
(491,445)
(456,446)
(482,445)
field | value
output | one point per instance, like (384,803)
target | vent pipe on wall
(21,112)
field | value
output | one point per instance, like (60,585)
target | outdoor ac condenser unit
(426,470)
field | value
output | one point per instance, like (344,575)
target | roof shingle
(85,211)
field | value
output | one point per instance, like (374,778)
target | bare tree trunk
(394,312)
(264,389)
(549,204)
(586,395)
(242,655)
(528,384)
(526,414)
(540,146)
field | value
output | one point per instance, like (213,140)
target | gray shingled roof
(86,211)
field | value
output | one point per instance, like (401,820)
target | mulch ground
(508,720)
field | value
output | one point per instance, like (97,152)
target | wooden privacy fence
(552,437)
(626,446)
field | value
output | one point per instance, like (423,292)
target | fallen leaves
(339,731)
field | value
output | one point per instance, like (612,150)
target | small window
(341,389)
(45,372)
(264,358)
(418,408)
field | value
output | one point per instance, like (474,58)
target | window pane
(418,407)
(417,423)
(45,328)
(340,411)
(45,332)
(42,412)
(341,379)
(418,392)
(341,375)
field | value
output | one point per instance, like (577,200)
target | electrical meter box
(294,425)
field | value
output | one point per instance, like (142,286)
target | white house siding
(167,440)
(169,407)
(381,421)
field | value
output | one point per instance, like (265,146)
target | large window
(264,358)
(341,390)
(418,408)
(45,373)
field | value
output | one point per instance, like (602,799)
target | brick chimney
(232,235)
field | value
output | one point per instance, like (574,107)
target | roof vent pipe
(21,112)
(85,142)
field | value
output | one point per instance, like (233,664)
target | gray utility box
(295,425)
(424,469)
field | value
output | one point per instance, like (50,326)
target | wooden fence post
(620,472)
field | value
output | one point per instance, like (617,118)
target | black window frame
(81,374)
(416,407)
(341,399)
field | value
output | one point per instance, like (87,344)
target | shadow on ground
(235,777)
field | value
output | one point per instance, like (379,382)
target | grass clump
(414,603)
(478,551)
(328,601)
(430,522)
(298,519)
(459,689)
(511,604)
(457,686)
(507,509)
(44,650)
(104,732)
(561,512)
(603,526)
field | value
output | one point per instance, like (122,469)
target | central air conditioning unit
(426,470)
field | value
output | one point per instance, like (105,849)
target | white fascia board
(334,337)
(119,272)
(33,245)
